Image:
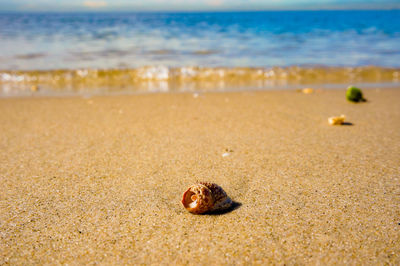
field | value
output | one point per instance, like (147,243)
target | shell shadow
(347,124)
(235,205)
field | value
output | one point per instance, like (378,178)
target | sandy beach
(99,180)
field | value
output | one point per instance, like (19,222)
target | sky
(191,5)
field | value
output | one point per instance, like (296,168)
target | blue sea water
(47,41)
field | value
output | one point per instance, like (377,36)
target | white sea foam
(154,73)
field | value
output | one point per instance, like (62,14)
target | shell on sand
(205,197)
(307,90)
(338,120)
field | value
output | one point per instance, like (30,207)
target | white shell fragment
(336,120)
(227,152)
(205,197)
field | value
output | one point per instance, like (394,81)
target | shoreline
(316,88)
(193,78)
(99,179)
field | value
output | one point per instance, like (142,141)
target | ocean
(213,51)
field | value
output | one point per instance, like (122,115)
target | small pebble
(34,88)
(354,94)
(307,90)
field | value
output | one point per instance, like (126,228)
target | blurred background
(158,45)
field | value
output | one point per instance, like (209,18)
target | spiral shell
(205,197)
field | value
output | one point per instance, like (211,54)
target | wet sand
(99,180)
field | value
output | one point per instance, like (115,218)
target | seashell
(34,88)
(338,120)
(205,197)
(307,90)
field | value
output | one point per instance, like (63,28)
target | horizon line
(99,10)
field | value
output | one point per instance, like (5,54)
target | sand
(99,180)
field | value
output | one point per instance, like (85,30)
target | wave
(163,79)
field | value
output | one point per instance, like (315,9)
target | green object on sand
(354,94)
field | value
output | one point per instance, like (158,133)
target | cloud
(215,2)
(95,4)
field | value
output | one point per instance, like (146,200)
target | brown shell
(205,197)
